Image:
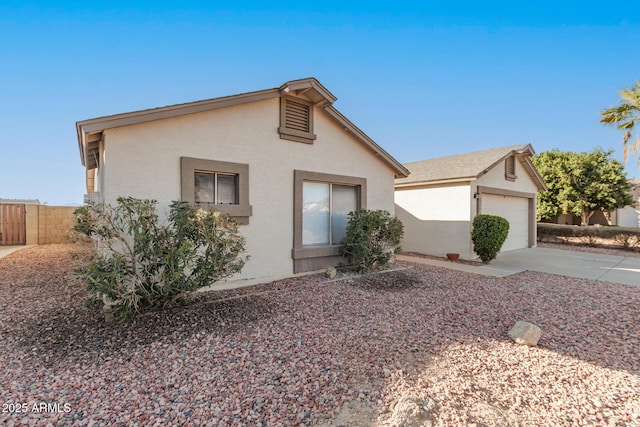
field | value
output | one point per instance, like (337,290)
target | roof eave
(426,183)
(399,169)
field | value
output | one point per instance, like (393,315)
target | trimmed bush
(144,264)
(488,235)
(372,240)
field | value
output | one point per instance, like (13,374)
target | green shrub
(143,264)
(372,239)
(488,235)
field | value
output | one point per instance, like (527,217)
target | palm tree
(625,117)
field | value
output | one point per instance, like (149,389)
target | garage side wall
(436,220)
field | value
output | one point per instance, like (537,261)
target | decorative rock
(411,411)
(330,273)
(525,333)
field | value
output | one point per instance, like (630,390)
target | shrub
(488,235)
(626,241)
(372,239)
(149,264)
(594,235)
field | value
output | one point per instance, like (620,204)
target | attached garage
(440,198)
(516,211)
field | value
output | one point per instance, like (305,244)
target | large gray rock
(525,333)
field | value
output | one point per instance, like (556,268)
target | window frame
(294,134)
(188,168)
(308,258)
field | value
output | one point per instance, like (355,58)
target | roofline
(436,182)
(401,171)
(524,151)
(99,124)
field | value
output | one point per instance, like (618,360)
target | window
(216,188)
(325,210)
(510,168)
(222,186)
(296,120)
(322,203)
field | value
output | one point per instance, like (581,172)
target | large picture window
(322,203)
(325,210)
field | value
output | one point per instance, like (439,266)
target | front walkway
(6,250)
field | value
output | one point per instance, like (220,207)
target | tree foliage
(624,117)
(372,239)
(581,184)
(146,264)
(488,234)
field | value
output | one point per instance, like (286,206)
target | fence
(34,224)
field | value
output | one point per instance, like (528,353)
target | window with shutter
(296,120)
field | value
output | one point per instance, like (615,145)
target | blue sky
(423,79)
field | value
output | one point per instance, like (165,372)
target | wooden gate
(12,225)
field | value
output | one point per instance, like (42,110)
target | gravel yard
(419,346)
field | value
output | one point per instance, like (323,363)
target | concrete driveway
(586,265)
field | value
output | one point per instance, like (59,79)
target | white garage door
(516,211)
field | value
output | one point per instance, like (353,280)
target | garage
(516,211)
(438,201)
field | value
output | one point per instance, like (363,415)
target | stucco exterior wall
(495,178)
(143,161)
(437,220)
(629,216)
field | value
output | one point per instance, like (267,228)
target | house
(629,216)
(284,162)
(440,198)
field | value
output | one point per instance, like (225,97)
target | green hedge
(622,237)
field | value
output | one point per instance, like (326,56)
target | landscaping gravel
(418,346)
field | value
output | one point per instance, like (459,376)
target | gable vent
(510,168)
(296,120)
(297,116)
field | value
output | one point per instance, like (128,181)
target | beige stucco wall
(495,178)
(436,219)
(143,161)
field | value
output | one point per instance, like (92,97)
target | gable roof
(468,166)
(90,131)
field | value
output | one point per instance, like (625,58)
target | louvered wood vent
(510,168)
(296,120)
(297,116)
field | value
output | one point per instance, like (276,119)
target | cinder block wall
(55,223)
(32,224)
